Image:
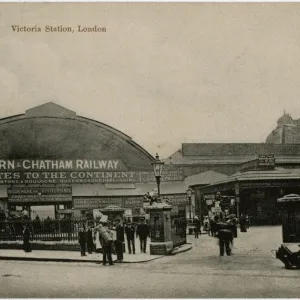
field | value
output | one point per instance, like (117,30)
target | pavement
(74,256)
(251,272)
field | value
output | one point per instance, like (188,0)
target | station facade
(58,164)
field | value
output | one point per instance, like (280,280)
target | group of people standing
(225,228)
(103,234)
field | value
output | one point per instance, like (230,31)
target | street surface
(252,271)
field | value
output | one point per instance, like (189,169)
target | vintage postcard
(149,150)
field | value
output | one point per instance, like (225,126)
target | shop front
(255,193)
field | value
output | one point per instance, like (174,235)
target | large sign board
(180,199)
(102,202)
(39,194)
(57,177)
(167,175)
(46,171)
(266,161)
(61,165)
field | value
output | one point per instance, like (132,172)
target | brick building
(227,158)
(259,188)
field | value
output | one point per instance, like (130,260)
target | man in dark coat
(119,240)
(82,241)
(213,226)
(233,223)
(243,223)
(197,224)
(89,240)
(26,239)
(143,232)
(225,238)
(130,231)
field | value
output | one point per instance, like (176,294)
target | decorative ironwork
(43,230)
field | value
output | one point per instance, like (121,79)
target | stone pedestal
(160,228)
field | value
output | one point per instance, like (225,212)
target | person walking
(26,239)
(106,237)
(243,223)
(130,231)
(234,227)
(197,229)
(247,221)
(142,232)
(225,238)
(82,240)
(213,226)
(119,240)
(90,240)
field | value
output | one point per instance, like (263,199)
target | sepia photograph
(149,150)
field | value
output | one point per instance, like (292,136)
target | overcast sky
(162,73)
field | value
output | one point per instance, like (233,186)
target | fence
(42,230)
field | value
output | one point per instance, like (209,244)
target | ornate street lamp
(189,192)
(158,166)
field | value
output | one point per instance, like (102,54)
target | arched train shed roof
(50,131)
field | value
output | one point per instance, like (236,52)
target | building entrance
(42,211)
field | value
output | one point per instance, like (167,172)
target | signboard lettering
(102,202)
(39,194)
(48,164)
(266,161)
(57,177)
(177,199)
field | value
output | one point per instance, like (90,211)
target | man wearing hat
(143,231)
(225,238)
(82,240)
(119,240)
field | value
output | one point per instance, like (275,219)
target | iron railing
(42,230)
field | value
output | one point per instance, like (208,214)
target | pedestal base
(164,248)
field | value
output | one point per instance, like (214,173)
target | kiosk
(289,252)
(160,227)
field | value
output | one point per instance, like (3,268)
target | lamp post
(189,192)
(158,166)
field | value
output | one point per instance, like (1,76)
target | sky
(162,73)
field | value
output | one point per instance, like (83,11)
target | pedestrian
(90,240)
(82,240)
(98,242)
(225,238)
(197,229)
(234,227)
(26,239)
(37,224)
(119,240)
(142,232)
(230,224)
(213,225)
(243,223)
(247,221)
(130,231)
(106,237)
